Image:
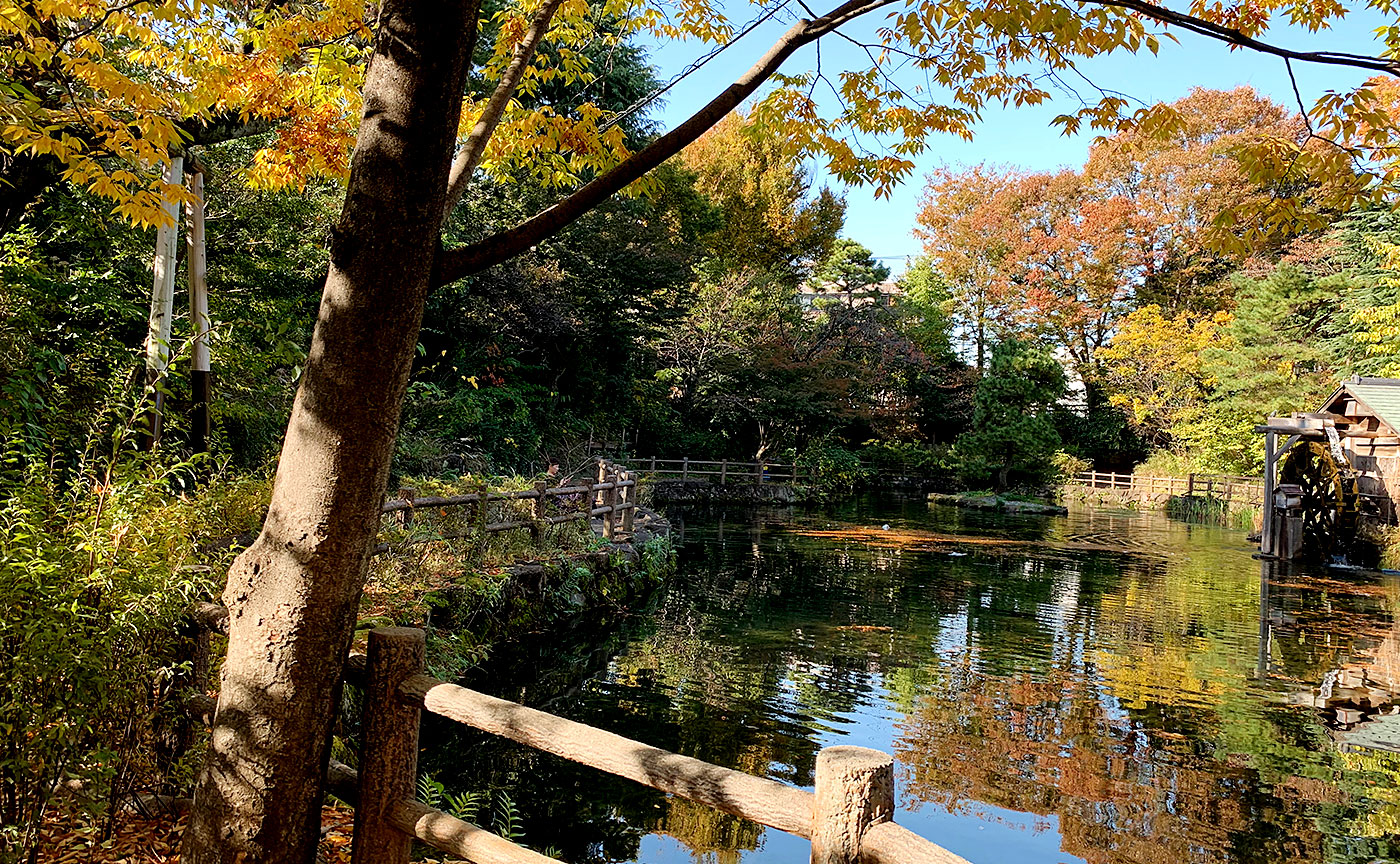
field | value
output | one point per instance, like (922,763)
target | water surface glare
(1106,687)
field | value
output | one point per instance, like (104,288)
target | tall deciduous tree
(1072,267)
(1064,256)
(1155,366)
(1181,179)
(1036,254)
(962,221)
(292,595)
(771,219)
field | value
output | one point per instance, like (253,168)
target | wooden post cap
(855,789)
(398,635)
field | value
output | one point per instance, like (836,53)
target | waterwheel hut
(1330,472)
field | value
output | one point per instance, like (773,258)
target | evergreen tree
(850,269)
(1012,437)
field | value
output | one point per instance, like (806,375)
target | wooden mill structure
(1327,472)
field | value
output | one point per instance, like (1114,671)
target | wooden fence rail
(722,470)
(1229,488)
(848,818)
(612,496)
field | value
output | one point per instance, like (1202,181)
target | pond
(1103,687)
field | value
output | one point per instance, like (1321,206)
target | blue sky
(1021,137)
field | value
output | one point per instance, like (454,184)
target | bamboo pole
(158,327)
(200,383)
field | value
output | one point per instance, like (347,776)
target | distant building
(811,296)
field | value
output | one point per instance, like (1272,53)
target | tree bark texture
(292,596)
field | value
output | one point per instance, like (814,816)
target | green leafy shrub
(904,458)
(97,572)
(834,470)
(1067,465)
(1169,463)
(1013,440)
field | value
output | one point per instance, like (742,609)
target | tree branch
(475,145)
(455,263)
(1230,35)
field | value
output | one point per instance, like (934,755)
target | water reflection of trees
(740,664)
(1146,732)
(1117,691)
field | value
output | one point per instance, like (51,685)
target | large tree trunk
(293,595)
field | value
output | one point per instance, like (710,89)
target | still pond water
(1107,687)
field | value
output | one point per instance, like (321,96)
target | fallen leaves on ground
(68,838)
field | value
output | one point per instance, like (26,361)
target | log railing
(722,471)
(1229,488)
(848,818)
(612,497)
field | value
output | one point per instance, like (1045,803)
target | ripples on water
(1101,688)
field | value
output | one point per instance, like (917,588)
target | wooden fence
(722,471)
(848,819)
(612,496)
(1224,487)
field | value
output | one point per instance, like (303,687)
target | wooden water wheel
(1329,498)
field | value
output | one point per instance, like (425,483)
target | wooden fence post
(407,493)
(685,468)
(855,789)
(389,757)
(723,470)
(652,470)
(615,498)
(609,474)
(538,510)
(630,500)
(1190,484)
